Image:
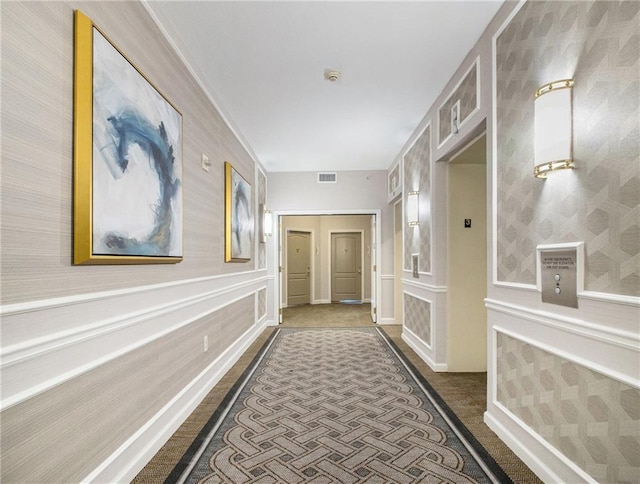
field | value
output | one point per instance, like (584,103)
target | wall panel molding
(543,459)
(628,340)
(125,463)
(422,349)
(462,99)
(116,322)
(424,286)
(577,400)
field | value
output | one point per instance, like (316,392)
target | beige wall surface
(467,255)
(93,354)
(322,226)
(355,190)
(37,159)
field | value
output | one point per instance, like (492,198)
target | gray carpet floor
(465,393)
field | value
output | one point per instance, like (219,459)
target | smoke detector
(332,75)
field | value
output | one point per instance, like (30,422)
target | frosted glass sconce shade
(553,128)
(268,223)
(412,209)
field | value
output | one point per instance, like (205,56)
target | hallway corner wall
(562,382)
(103,363)
(562,379)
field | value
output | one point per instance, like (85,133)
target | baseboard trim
(125,463)
(542,458)
(384,321)
(422,349)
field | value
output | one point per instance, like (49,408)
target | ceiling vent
(327,177)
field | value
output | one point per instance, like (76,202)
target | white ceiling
(263,64)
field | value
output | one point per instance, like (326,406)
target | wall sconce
(268,223)
(553,128)
(413,218)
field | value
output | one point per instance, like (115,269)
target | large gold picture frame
(127,159)
(239,225)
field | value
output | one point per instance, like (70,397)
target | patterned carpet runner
(334,405)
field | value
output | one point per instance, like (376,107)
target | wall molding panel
(543,459)
(116,323)
(417,175)
(607,354)
(433,351)
(460,98)
(423,285)
(422,349)
(387,294)
(625,340)
(125,463)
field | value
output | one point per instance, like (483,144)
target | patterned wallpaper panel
(597,44)
(592,419)
(262,199)
(394,180)
(417,317)
(417,175)
(467,94)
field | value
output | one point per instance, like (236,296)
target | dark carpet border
(490,462)
(201,438)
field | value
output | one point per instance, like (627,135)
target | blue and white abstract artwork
(137,161)
(241,218)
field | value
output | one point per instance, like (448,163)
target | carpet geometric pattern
(334,405)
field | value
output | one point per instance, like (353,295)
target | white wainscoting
(434,353)
(580,336)
(127,461)
(114,323)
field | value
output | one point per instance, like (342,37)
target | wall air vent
(327,177)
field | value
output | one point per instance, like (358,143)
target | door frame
(277,247)
(330,252)
(285,266)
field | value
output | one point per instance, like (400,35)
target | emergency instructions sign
(558,269)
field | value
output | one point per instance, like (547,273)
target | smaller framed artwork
(238,217)
(127,159)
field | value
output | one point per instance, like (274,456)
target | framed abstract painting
(127,159)
(238,217)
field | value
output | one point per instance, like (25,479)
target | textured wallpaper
(591,418)
(597,44)
(467,94)
(417,175)
(262,303)
(68,430)
(417,317)
(37,158)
